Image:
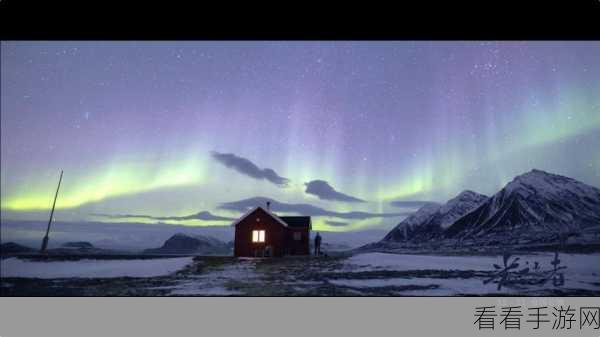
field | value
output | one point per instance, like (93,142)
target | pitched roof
(286,221)
(254,209)
(297,221)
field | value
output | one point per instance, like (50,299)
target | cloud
(324,191)
(336,223)
(302,209)
(410,203)
(245,166)
(198,216)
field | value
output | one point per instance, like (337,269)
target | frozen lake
(88,268)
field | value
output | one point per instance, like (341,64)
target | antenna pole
(45,241)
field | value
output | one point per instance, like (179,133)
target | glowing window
(297,236)
(258,236)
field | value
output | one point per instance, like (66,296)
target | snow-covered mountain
(431,220)
(403,231)
(536,205)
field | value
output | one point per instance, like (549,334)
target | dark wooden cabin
(261,233)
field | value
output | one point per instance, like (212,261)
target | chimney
(268,206)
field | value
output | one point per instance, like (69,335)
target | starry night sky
(169,129)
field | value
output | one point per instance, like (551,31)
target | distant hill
(78,245)
(197,245)
(14,248)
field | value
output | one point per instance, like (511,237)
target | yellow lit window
(258,236)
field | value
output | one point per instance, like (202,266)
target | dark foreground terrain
(370,274)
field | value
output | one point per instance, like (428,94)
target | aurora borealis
(136,125)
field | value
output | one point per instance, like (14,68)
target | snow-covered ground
(375,261)
(371,274)
(576,263)
(87,268)
(582,271)
(214,282)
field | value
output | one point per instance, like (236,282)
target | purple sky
(174,128)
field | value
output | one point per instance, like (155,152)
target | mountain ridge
(534,207)
(430,221)
(534,204)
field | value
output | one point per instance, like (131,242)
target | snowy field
(583,272)
(577,263)
(375,261)
(368,274)
(214,282)
(14,267)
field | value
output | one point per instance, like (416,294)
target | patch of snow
(375,261)
(582,271)
(458,206)
(576,263)
(89,268)
(422,214)
(214,282)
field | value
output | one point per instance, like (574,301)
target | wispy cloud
(336,223)
(198,216)
(323,190)
(410,203)
(245,166)
(302,209)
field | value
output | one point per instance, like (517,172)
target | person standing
(317,244)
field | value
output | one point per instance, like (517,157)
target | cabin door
(268,251)
(263,251)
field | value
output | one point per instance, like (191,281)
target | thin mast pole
(45,241)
